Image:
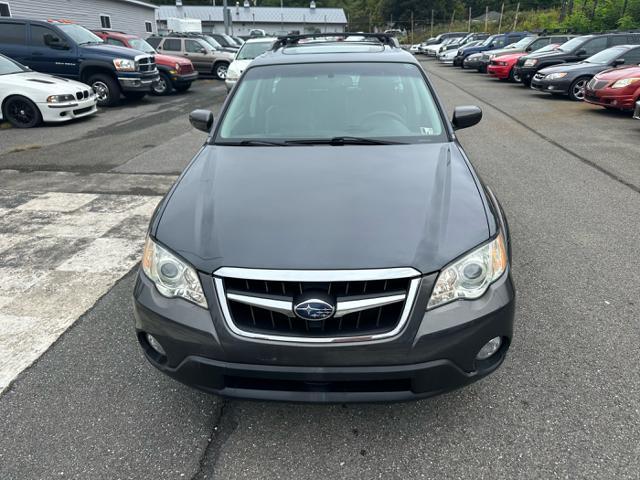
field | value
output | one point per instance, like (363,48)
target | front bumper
(434,353)
(609,97)
(137,82)
(560,86)
(525,73)
(499,71)
(68,111)
(473,63)
(178,79)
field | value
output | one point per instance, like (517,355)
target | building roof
(262,14)
(140,3)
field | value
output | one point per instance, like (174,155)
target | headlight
(172,276)
(530,62)
(60,98)
(232,75)
(470,276)
(502,64)
(491,57)
(625,82)
(555,76)
(177,67)
(124,64)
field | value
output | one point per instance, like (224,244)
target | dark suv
(493,42)
(331,241)
(574,50)
(69,50)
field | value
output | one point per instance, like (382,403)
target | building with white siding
(245,17)
(131,16)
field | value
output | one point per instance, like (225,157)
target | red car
(617,88)
(175,72)
(502,67)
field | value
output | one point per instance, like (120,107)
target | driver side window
(594,46)
(192,46)
(44,37)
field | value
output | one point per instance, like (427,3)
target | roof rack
(287,40)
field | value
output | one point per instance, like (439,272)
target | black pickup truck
(575,50)
(69,50)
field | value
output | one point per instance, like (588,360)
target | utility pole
(500,22)
(370,28)
(515,21)
(431,34)
(486,19)
(225,15)
(453,16)
(411,27)
(469,24)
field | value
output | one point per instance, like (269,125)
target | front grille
(373,317)
(539,76)
(597,84)
(81,95)
(80,111)
(186,68)
(146,64)
(520,62)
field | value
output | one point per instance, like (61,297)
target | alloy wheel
(160,87)
(102,90)
(221,71)
(21,112)
(578,89)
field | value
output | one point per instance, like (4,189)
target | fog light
(489,348)
(155,344)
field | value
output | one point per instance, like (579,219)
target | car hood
(325,207)
(161,58)
(502,51)
(619,73)
(511,57)
(553,54)
(578,67)
(239,66)
(41,82)
(113,50)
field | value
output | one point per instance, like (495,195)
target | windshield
(607,56)
(8,66)
(212,41)
(79,34)
(523,43)
(573,43)
(488,40)
(251,50)
(374,101)
(142,45)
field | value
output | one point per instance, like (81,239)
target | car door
(537,44)
(13,41)
(51,52)
(199,54)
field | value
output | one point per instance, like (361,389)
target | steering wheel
(383,113)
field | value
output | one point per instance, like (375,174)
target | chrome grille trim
(317,276)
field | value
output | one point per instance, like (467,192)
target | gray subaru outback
(330,242)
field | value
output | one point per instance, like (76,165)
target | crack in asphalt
(579,157)
(223,427)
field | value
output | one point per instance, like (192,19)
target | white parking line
(59,253)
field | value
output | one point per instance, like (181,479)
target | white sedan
(28,98)
(248,51)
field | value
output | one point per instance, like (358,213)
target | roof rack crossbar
(288,40)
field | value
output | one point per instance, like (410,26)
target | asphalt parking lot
(566,403)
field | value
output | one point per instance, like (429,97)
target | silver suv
(205,58)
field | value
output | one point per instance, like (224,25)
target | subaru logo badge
(314,309)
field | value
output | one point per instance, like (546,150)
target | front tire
(21,112)
(220,70)
(576,91)
(183,87)
(162,86)
(107,89)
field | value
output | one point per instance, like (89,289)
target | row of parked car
(56,71)
(602,69)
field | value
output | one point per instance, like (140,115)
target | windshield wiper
(338,141)
(254,143)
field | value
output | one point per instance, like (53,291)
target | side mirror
(466,116)
(202,120)
(617,62)
(203,50)
(581,53)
